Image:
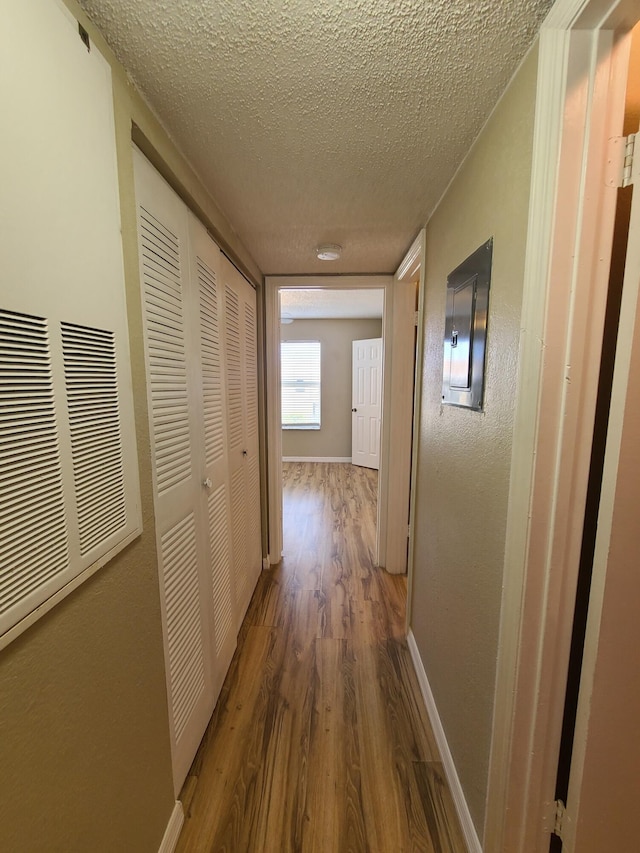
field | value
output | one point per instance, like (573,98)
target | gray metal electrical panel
(465,331)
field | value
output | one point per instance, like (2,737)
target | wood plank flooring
(320,742)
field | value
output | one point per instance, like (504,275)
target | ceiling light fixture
(328,252)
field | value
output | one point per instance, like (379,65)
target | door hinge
(416,317)
(408,531)
(620,161)
(559,818)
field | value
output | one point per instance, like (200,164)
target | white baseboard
(172,832)
(468,829)
(316,459)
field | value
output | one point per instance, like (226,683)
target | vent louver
(94,422)
(33,538)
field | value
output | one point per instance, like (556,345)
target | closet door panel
(252,472)
(242,389)
(184,591)
(239,529)
(210,411)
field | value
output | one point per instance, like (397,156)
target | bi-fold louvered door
(210,411)
(185,317)
(240,330)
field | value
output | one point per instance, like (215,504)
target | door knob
(207,483)
(244,452)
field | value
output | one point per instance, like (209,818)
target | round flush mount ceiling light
(328,252)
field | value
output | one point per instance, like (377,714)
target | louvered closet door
(178,490)
(214,461)
(242,396)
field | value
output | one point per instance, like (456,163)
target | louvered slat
(33,538)
(211,364)
(253,507)
(239,535)
(166,344)
(220,566)
(184,635)
(251,370)
(94,421)
(234,368)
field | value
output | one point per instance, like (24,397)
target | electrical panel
(465,332)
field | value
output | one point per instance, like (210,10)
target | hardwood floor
(320,742)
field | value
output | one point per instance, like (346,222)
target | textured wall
(464,456)
(336,336)
(84,735)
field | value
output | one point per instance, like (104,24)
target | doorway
(402,331)
(332,311)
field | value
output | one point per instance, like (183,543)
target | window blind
(300,376)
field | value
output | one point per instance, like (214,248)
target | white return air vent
(33,547)
(94,422)
(69,494)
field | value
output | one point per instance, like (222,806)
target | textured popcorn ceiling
(311,304)
(322,120)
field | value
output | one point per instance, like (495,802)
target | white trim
(316,459)
(459,800)
(274,422)
(417,407)
(404,406)
(172,832)
(612,476)
(565,285)
(412,261)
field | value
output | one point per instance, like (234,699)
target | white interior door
(366,407)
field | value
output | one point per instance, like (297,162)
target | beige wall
(464,456)
(83,712)
(336,336)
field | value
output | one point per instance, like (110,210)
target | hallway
(320,741)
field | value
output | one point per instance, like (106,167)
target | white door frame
(404,427)
(579,104)
(273,286)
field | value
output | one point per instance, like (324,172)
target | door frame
(613,593)
(404,427)
(579,105)
(273,286)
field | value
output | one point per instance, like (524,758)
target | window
(300,374)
